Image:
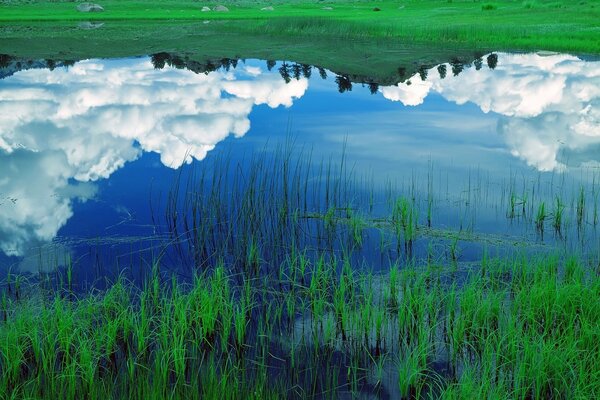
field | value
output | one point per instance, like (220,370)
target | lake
(87,147)
(253,223)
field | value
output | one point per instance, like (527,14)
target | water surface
(89,151)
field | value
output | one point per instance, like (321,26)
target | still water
(89,151)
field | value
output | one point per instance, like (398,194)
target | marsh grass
(540,217)
(524,328)
(558,216)
(279,299)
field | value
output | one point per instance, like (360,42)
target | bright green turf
(507,25)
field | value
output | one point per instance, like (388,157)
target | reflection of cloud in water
(45,258)
(87,122)
(550,104)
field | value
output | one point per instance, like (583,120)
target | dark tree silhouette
(159,60)
(271,64)
(344,84)
(322,72)
(492,61)
(51,64)
(423,72)
(457,67)
(306,71)
(373,87)
(297,69)
(176,62)
(442,70)
(4,60)
(226,64)
(401,72)
(478,63)
(207,68)
(284,71)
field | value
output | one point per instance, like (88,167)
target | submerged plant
(404,218)
(580,207)
(540,217)
(559,208)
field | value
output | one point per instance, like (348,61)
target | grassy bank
(503,24)
(362,59)
(350,38)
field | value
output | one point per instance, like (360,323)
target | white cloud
(548,103)
(87,122)
(409,95)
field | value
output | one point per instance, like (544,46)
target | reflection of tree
(401,72)
(492,61)
(442,70)
(284,71)
(227,63)
(306,71)
(178,62)
(423,72)
(271,64)
(4,60)
(344,84)
(478,63)
(297,70)
(51,64)
(206,68)
(373,87)
(457,67)
(161,60)
(322,72)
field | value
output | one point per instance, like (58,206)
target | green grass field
(548,25)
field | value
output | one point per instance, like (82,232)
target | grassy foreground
(516,329)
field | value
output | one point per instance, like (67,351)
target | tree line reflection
(288,70)
(291,70)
